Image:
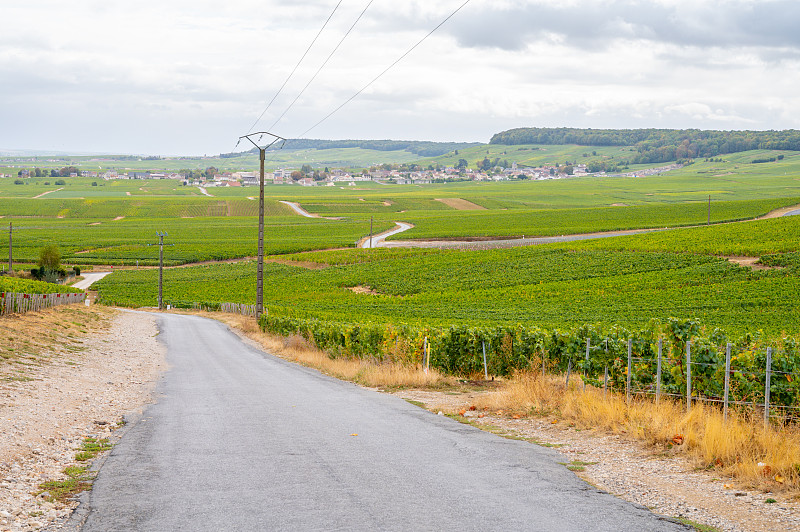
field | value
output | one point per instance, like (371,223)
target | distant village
(385,174)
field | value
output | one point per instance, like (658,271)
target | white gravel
(43,422)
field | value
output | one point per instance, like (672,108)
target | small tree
(50,258)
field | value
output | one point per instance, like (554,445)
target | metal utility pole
(160,268)
(370,232)
(709,209)
(260,272)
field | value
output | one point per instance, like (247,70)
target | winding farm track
(43,194)
(379,241)
(298,209)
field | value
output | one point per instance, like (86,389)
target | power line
(376,78)
(293,70)
(323,64)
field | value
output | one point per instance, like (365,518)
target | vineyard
(109,208)
(530,308)
(601,357)
(753,239)
(27,286)
(554,222)
(127,241)
(548,288)
(24,295)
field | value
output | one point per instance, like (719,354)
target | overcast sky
(187,77)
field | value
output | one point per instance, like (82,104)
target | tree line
(421,148)
(657,145)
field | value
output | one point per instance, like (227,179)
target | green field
(529,286)
(286,158)
(674,282)
(130,241)
(615,281)
(752,239)
(27,286)
(113,222)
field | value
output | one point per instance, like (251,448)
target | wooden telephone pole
(260,270)
(160,267)
(10,248)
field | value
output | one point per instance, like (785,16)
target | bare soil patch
(751,262)
(460,204)
(363,290)
(620,205)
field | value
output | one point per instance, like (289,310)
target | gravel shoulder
(68,394)
(668,484)
(85,389)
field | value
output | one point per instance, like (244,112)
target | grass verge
(78,479)
(762,457)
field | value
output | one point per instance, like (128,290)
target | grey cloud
(589,25)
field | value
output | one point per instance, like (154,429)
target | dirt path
(48,192)
(491,243)
(777,213)
(80,383)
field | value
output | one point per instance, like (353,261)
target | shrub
(49,257)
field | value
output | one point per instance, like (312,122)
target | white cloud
(190,77)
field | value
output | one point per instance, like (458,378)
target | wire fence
(668,360)
(19,303)
(719,381)
(231,308)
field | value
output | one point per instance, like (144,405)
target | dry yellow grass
(33,339)
(766,458)
(366,372)
(761,457)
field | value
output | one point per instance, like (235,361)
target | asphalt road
(240,440)
(379,240)
(89,279)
